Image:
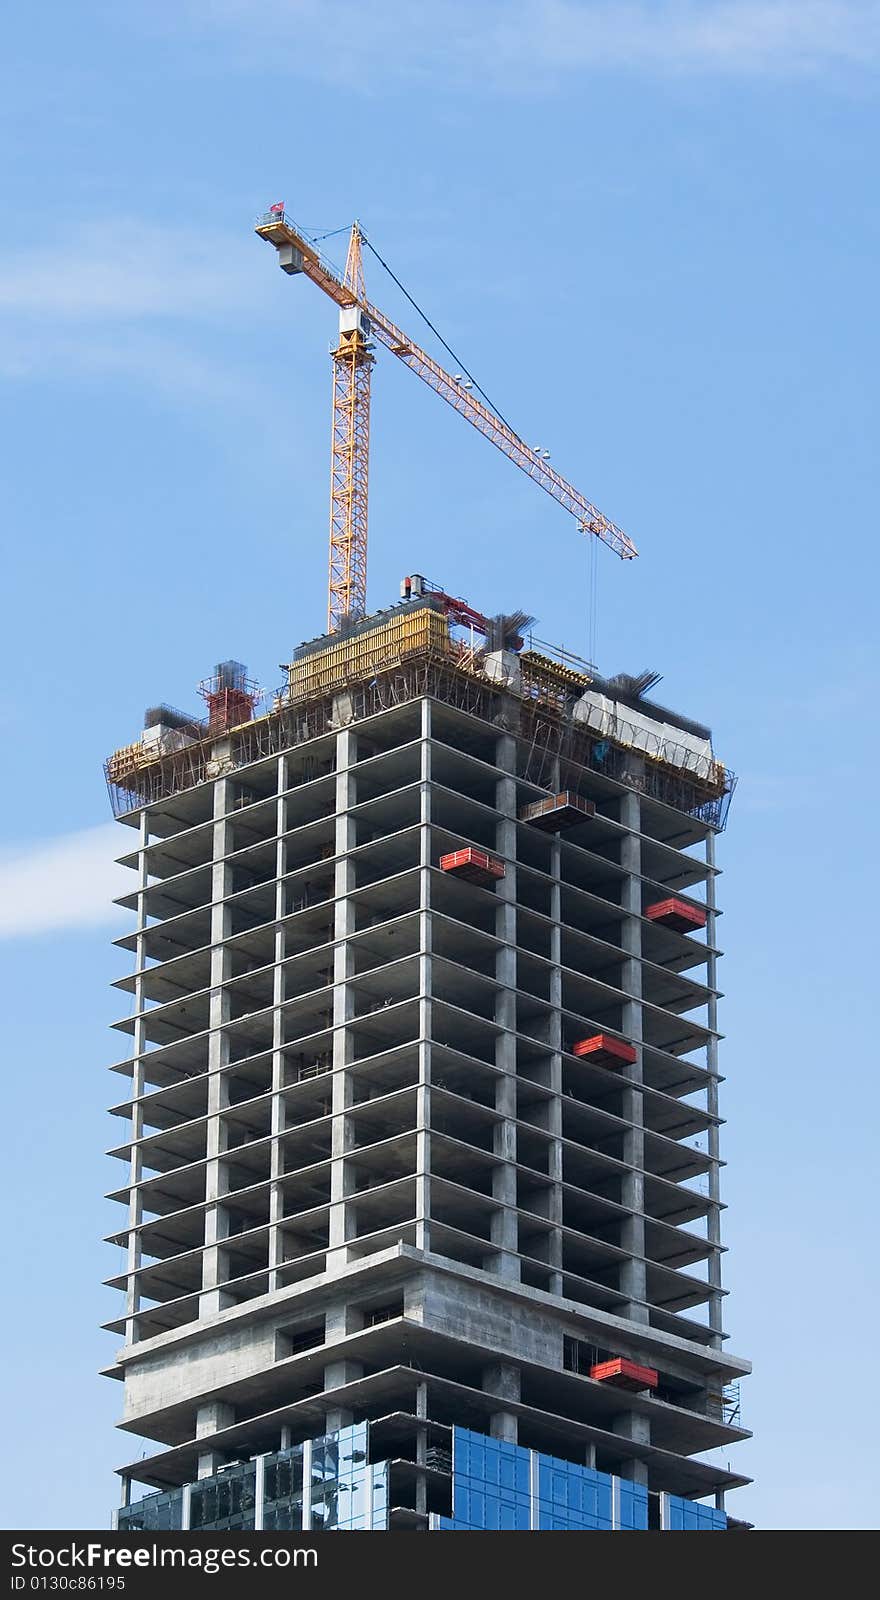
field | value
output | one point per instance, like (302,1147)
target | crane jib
(351,397)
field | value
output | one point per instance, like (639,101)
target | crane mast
(350,451)
(359,323)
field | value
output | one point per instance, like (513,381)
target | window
(578,1356)
(225,1501)
(385,1313)
(293,1341)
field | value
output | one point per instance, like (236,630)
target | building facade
(422,1209)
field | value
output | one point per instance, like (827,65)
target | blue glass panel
(156,1512)
(690,1516)
(380,1495)
(225,1500)
(633,1505)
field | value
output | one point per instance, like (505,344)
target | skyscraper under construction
(419,1108)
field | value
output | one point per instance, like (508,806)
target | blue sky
(651,232)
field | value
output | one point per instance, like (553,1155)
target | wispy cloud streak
(522,44)
(62,884)
(142,272)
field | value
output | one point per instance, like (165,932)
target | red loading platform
(624,1374)
(676,914)
(605,1050)
(558,811)
(475,866)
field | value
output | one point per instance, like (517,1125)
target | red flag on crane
(278,208)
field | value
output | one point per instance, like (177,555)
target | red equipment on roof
(457,610)
(676,914)
(475,866)
(605,1050)
(624,1374)
(231,696)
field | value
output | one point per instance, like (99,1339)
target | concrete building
(422,1211)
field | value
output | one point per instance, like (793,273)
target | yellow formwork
(362,655)
(552,673)
(124,762)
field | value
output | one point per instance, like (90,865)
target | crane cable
(592,544)
(593,600)
(428,323)
(316,238)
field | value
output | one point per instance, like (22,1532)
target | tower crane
(360,324)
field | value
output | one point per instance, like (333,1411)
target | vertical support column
(534,1491)
(211,1419)
(211,1299)
(713,1221)
(633,1272)
(421,1411)
(259,1492)
(423,1096)
(343,998)
(339,1371)
(633,1277)
(307,1486)
(503,1380)
(135,1203)
(555,1106)
(632,1425)
(276,1167)
(504,1221)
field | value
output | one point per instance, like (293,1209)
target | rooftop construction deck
(421,1108)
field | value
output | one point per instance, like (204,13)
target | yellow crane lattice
(360,323)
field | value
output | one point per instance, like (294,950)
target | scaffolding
(409,654)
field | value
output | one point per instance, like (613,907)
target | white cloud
(171,368)
(143,306)
(129,271)
(62,884)
(519,44)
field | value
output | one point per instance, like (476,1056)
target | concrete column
(555,1106)
(421,1411)
(505,1262)
(343,999)
(423,1097)
(633,1273)
(210,1419)
(631,1425)
(276,1198)
(135,1204)
(502,1379)
(307,1485)
(713,1221)
(212,1298)
(339,1372)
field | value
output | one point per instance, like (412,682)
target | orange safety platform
(475,866)
(676,914)
(605,1050)
(624,1374)
(558,811)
